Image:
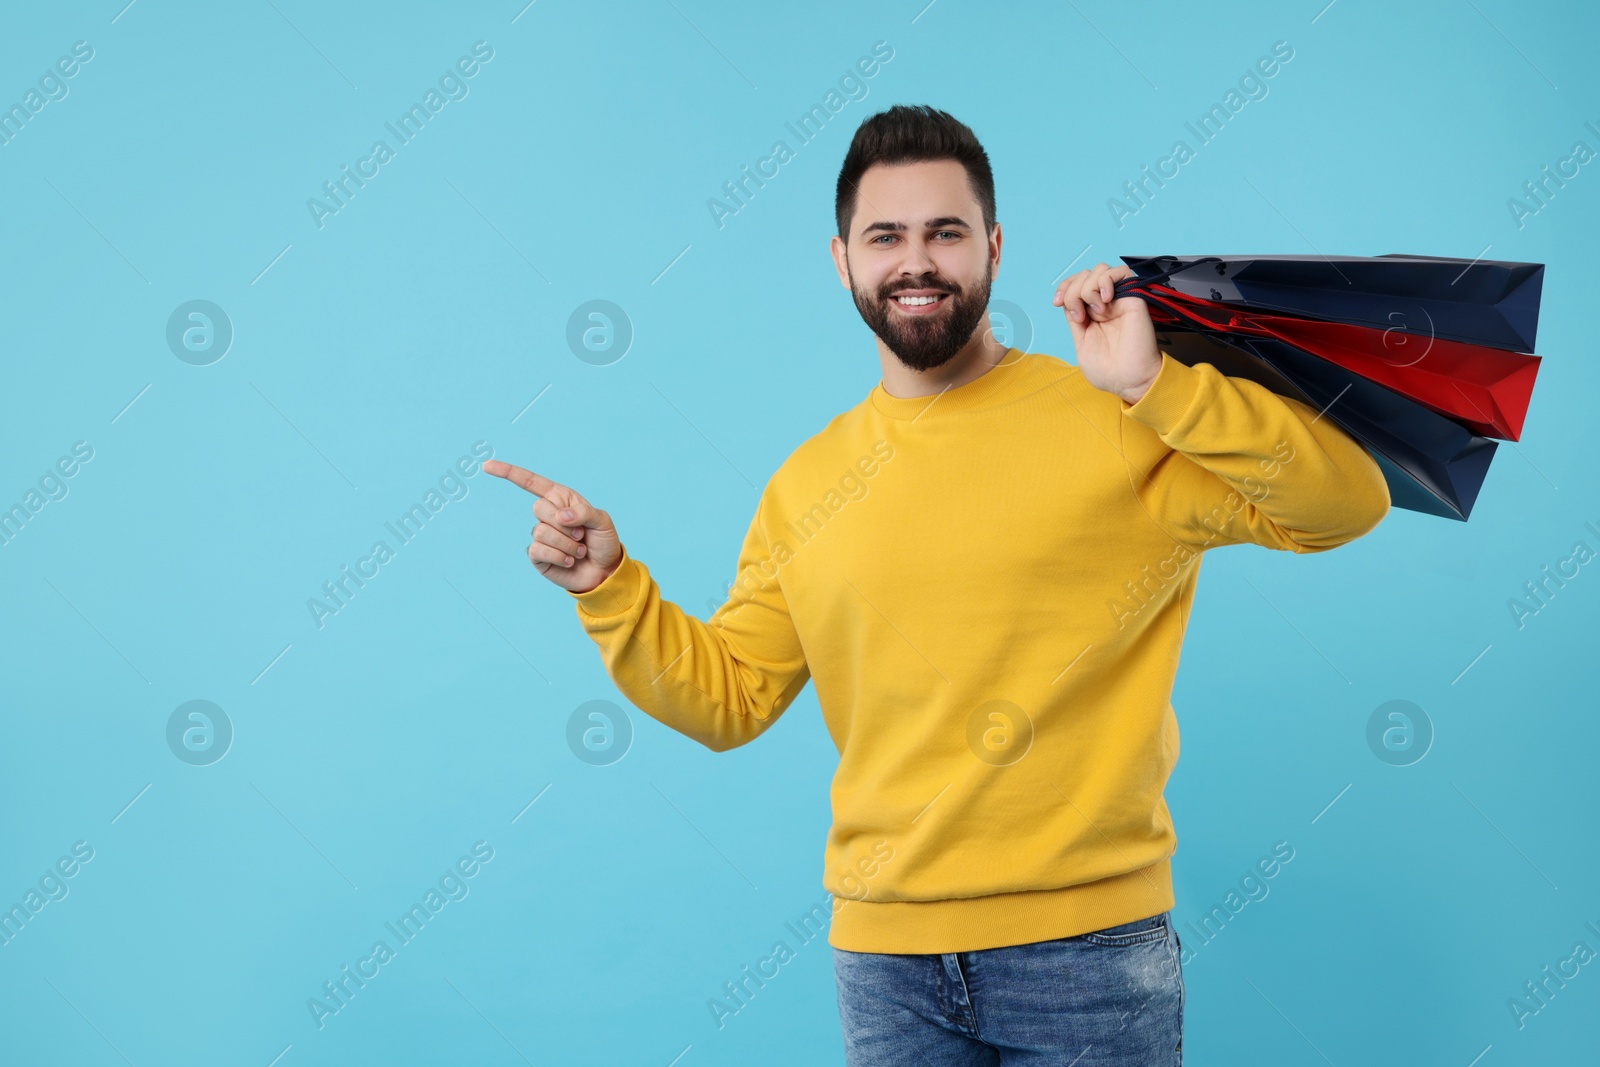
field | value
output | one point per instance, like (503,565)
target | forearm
(708,682)
(1297,480)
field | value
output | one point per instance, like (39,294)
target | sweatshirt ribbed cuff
(614,595)
(1169,397)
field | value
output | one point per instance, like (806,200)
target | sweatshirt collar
(997,383)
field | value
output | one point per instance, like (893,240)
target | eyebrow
(942,223)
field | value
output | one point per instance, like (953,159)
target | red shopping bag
(1485,389)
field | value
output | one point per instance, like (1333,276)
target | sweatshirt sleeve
(721,682)
(1244,464)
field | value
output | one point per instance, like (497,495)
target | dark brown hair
(912,134)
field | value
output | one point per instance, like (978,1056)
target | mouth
(919,303)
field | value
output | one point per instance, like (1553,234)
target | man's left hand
(1115,339)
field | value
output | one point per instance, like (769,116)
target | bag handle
(1124,287)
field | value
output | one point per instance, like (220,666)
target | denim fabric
(1111,998)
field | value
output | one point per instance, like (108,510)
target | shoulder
(844,434)
(1099,414)
(1066,382)
(846,452)
(1052,371)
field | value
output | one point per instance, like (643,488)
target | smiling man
(992,624)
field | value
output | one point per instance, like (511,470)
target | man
(986,567)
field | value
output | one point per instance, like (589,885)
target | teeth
(917,301)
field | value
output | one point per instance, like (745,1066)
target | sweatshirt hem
(969,924)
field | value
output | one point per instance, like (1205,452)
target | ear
(837,248)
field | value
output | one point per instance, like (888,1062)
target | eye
(940,233)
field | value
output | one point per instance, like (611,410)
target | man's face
(918,233)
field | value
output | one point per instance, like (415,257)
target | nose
(917,262)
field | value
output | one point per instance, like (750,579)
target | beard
(923,342)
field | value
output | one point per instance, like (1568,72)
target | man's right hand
(574,544)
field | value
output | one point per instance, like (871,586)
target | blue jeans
(1112,998)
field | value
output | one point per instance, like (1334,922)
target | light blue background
(427,314)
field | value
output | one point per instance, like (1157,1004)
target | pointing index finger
(537,484)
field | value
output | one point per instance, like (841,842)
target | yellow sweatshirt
(989,588)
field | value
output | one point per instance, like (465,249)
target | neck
(977,356)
